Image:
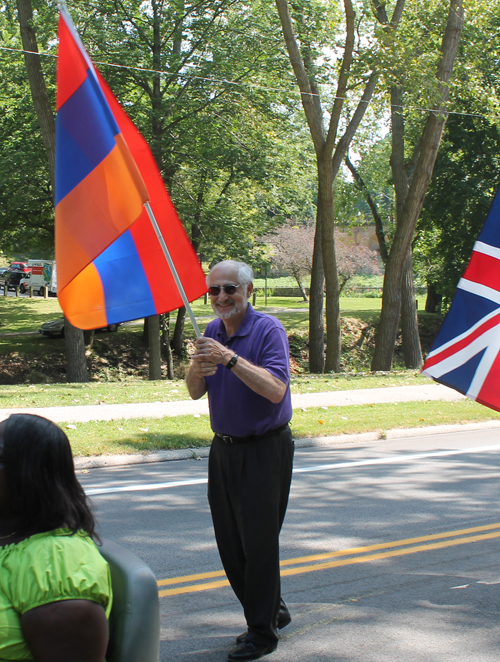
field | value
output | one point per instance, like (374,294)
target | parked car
(55,328)
(18,266)
(12,277)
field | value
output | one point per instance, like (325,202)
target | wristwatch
(232,361)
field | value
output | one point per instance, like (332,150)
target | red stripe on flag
(71,65)
(161,282)
(95,213)
(453,349)
(489,394)
(484,270)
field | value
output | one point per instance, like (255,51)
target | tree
(330,149)
(292,250)
(353,260)
(468,165)
(466,173)
(26,206)
(412,186)
(76,370)
(181,65)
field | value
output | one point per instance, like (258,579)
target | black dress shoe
(248,650)
(284,619)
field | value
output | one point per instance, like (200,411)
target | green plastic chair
(134,624)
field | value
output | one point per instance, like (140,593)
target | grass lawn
(22,314)
(22,317)
(147,435)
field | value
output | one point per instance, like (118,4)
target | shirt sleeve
(275,354)
(55,568)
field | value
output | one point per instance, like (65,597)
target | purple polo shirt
(234,408)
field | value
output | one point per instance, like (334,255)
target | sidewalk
(82,413)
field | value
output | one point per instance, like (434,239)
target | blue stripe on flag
(490,234)
(461,378)
(127,294)
(85,130)
(466,310)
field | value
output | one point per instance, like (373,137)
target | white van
(43,276)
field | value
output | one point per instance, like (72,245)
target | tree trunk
(433,300)
(330,153)
(154,347)
(89,337)
(316,318)
(76,351)
(165,349)
(326,212)
(177,343)
(153,323)
(412,350)
(409,322)
(303,292)
(431,137)
(37,83)
(76,369)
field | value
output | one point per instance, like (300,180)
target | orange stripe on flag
(97,211)
(75,298)
(132,167)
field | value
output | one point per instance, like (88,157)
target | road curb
(100,461)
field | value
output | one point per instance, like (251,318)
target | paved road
(390,551)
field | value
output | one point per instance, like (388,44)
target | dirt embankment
(123,355)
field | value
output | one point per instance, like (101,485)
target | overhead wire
(248,85)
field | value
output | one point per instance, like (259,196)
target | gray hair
(245,271)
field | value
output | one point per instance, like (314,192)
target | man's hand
(210,353)
(204,362)
(209,350)
(202,368)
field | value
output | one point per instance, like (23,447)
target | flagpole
(172,268)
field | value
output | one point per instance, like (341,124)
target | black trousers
(248,488)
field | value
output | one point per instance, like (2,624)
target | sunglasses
(214,290)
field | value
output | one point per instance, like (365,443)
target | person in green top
(55,587)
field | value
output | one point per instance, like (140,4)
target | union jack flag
(466,352)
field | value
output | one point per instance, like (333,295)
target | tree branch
(352,127)
(379,230)
(310,101)
(343,78)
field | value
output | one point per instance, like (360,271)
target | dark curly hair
(43,491)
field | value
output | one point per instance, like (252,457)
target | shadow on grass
(24,314)
(144,443)
(150,442)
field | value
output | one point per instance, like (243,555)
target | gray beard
(231,313)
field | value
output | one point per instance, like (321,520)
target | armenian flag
(111,266)
(466,353)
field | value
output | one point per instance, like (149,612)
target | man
(243,362)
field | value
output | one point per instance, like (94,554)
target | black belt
(230,440)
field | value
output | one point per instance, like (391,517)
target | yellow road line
(191,578)
(385,545)
(347,552)
(386,555)
(193,588)
(344,552)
